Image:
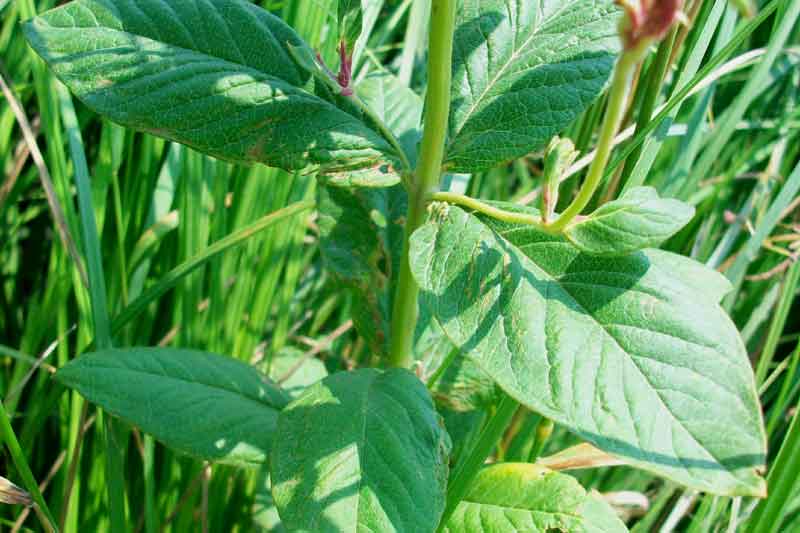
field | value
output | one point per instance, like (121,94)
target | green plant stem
(779,317)
(494,212)
(779,406)
(782,479)
(427,175)
(617,99)
(466,471)
(14,449)
(113,432)
(543,431)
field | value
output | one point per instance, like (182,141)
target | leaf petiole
(489,210)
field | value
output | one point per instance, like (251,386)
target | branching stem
(490,210)
(617,98)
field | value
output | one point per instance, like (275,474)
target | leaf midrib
(236,393)
(613,338)
(630,357)
(100,26)
(514,56)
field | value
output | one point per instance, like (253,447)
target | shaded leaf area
(361,451)
(522,71)
(206,405)
(294,370)
(465,386)
(265,514)
(464,428)
(361,240)
(399,109)
(216,76)
(638,219)
(620,350)
(522,497)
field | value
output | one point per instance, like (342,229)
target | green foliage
(522,333)
(218,78)
(361,240)
(202,404)
(521,72)
(363,450)
(530,498)
(638,219)
(619,350)
(350,20)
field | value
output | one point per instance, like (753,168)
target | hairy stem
(427,175)
(617,97)
(487,209)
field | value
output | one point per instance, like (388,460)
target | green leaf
(375,176)
(522,71)
(399,107)
(216,76)
(206,405)
(361,451)
(350,23)
(464,428)
(522,497)
(265,514)
(464,386)
(295,371)
(361,241)
(623,351)
(638,219)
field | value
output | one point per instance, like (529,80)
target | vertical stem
(617,97)
(97,292)
(782,478)
(652,90)
(467,469)
(18,457)
(427,175)
(543,431)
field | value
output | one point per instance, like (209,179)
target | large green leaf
(206,405)
(361,451)
(525,498)
(522,71)
(638,219)
(216,76)
(624,351)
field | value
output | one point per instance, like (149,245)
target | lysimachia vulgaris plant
(473,307)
